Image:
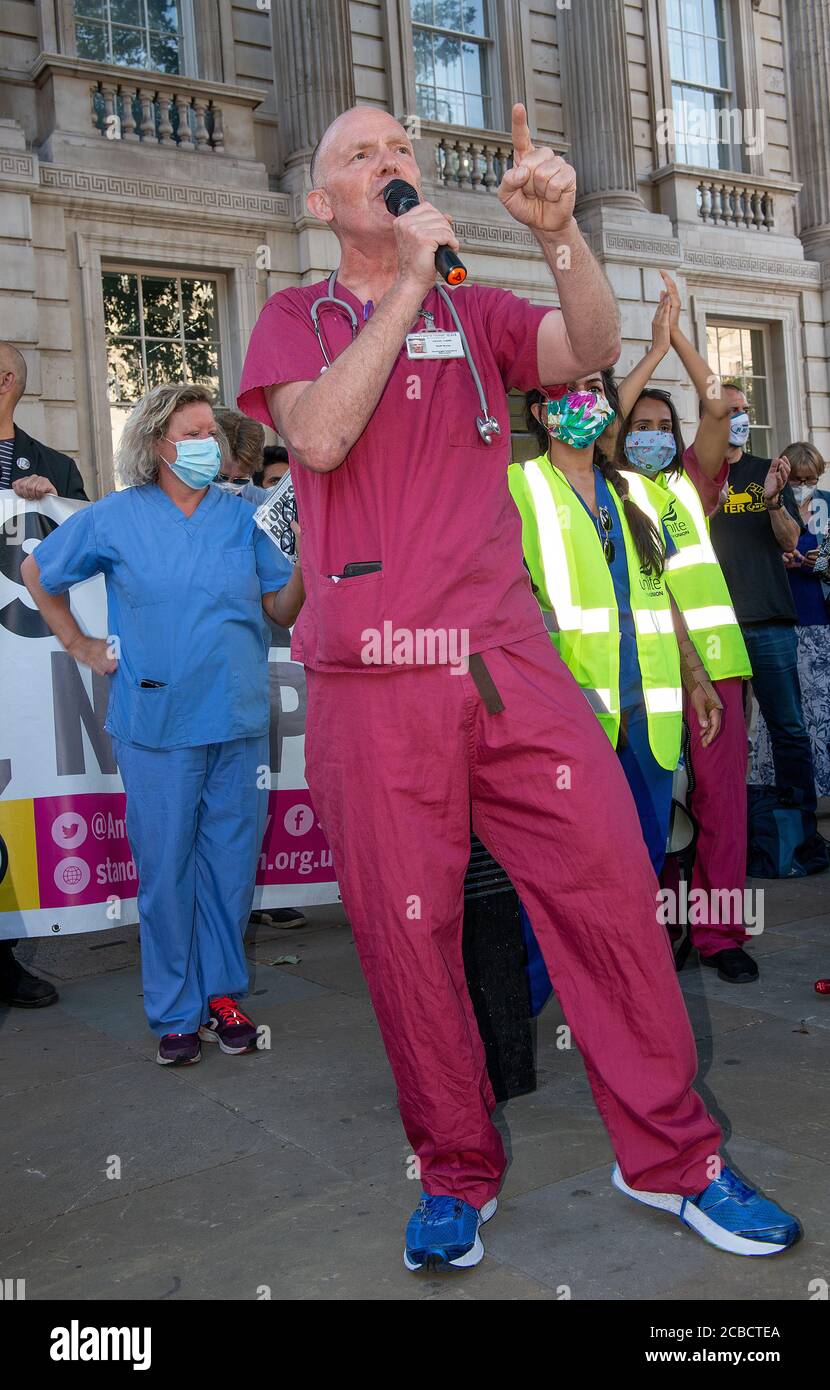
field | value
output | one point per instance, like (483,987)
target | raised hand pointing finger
(540,189)
(523,148)
(522,143)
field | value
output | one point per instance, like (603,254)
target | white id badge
(435,344)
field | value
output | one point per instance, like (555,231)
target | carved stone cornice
(17,166)
(734,263)
(618,246)
(494,235)
(190,199)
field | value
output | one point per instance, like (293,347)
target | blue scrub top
(808,594)
(631,680)
(184,599)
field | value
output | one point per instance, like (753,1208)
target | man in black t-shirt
(756,524)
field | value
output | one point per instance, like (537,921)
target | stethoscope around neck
(486,424)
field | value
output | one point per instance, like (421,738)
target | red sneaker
(228,1026)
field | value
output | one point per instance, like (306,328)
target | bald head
(358,155)
(12,363)
(352,127)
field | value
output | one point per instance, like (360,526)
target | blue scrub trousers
(651,785)
(195,822)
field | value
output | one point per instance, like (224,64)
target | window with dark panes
(700,63)
(454,62)
(524,445)
(132,33)
(159,328)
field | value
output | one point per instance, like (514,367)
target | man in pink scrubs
(436,699)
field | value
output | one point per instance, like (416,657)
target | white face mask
(739,430)
(802,492)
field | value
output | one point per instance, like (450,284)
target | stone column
(313,72)
(808,27)
(598,104)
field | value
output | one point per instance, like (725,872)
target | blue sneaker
(444,1230)
(727,1214)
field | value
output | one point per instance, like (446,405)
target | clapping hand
(777,477)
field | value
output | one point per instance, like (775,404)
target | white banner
(65,862)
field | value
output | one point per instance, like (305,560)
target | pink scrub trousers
(718,804)
(397,762)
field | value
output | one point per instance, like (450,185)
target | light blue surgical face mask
(739,430)
(197,460)
(650,451)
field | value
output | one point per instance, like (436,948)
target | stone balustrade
(464,160)
(462,163)
(728,202)
(138,113)
(102,114)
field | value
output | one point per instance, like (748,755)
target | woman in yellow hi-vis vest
(649,439)
(596,548)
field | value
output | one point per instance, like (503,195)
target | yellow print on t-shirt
(752,500)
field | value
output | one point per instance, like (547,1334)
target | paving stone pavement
(285,1172)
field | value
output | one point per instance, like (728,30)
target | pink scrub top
(420,491)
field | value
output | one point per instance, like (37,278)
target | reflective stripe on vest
(571,616)
(587,638)
(699,589)
(669,700)
(657,650)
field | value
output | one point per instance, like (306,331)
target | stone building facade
(154,159)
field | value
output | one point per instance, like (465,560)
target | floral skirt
(814,675)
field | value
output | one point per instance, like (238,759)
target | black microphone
(399,196)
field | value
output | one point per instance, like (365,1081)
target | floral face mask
(577,418)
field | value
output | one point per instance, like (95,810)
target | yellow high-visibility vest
(697,584)
(572,580)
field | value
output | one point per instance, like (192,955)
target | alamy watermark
(419,646)
(699,907)
(699,128)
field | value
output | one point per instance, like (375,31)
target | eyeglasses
(608,547)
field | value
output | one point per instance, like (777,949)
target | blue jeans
(772,649)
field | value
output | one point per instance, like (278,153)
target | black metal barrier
(494,961)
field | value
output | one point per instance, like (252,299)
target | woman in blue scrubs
(188,574)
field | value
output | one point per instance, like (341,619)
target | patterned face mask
(650,451)
(578,418)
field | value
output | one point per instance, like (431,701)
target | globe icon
(71,875)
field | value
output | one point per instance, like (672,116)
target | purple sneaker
(179,1050)
(228,1026)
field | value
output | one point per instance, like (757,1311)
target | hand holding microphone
(426,241)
